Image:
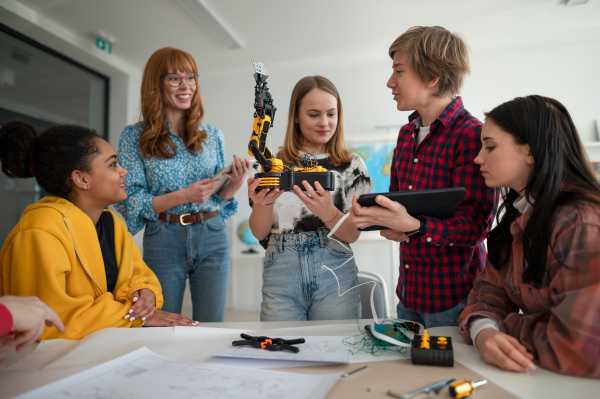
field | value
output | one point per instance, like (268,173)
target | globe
(245,235)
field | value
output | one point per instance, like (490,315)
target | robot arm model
(274,173)
(264,113)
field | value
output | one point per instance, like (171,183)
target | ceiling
(286,31)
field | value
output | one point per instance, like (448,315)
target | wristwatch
(422,228)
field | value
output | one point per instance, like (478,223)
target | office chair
(380,296)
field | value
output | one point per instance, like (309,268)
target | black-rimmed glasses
(176,80)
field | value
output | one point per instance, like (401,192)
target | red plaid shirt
(560,319)
(437,269)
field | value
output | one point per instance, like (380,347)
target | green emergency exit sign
(103,45)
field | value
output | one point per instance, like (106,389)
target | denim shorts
(448,317)
(198,251)
(296,286)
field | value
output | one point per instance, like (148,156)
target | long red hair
(155,140)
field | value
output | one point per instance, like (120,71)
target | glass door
(44,88)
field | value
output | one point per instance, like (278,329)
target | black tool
(440,389)
(432,351)
(354,372)
(271,344)
(428,389)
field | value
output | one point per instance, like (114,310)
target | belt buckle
(181,219)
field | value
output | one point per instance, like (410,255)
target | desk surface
(56,359)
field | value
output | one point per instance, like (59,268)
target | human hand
(30,316)
(503,351)
(266,196)
(317,201)
(389,213)
(239,171)
(144,305)
(389,234)
(201,190)
(168,319)
(393,235)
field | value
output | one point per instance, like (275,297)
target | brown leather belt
(187,218)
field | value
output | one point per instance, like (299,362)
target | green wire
(363,342)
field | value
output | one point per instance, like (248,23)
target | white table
(56,359)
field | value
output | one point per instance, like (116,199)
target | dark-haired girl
(69,250)
(538,299)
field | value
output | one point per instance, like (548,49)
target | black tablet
(439,203)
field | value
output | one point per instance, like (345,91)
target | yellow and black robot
(274,173)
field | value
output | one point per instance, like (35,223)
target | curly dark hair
(57,152)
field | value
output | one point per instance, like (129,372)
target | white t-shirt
(423,132)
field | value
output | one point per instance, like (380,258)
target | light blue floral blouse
(150,177)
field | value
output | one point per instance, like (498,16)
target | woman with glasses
(171,156)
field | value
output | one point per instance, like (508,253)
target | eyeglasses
(176,80)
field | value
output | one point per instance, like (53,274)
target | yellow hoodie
(54,253)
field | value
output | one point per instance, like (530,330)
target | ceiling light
(569,3)
(211,22)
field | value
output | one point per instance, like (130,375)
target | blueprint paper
(144,374)
(315,349)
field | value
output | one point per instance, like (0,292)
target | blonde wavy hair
(291,151)
(154,139)
(435,52)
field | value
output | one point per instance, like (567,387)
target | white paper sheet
(315,349)
(346,330)
(145,374)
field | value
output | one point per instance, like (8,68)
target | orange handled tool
(464,388)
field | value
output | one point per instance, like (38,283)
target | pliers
(272,344)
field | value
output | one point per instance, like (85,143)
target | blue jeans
(296,287)
(429,320)
(199,251)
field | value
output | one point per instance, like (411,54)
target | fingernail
(143,319)
(531,367)
(126,316)
(135,298)
(132,319)
(130,310)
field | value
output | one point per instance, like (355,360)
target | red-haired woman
(171,156)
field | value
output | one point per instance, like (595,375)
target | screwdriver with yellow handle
(464,388)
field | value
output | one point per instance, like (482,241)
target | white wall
(567,72)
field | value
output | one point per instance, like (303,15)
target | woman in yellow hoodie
(69,250)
